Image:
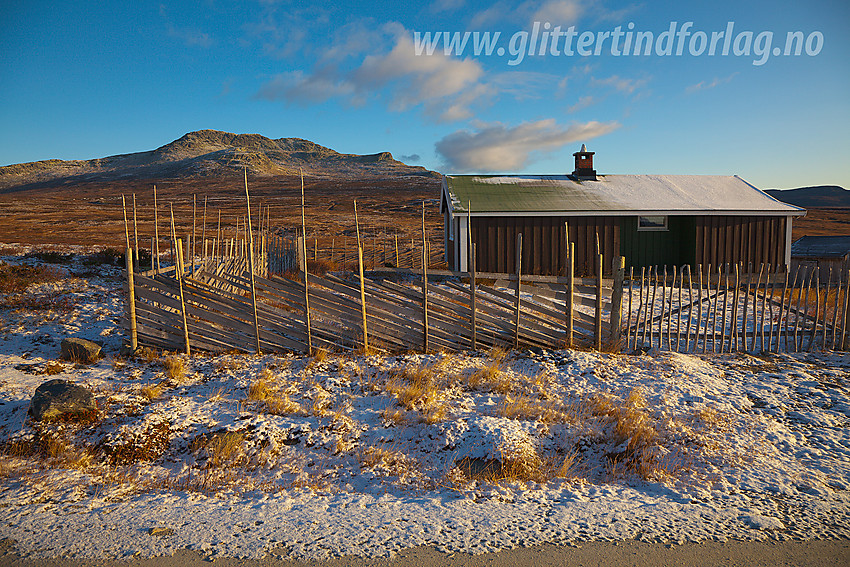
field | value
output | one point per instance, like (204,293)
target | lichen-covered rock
(60,399)
(80,350)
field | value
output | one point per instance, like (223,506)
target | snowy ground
(298,457)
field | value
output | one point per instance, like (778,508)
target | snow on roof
(611,194)
(821,247)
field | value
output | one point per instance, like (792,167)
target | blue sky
(81,81)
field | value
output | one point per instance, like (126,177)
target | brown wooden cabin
(652,220)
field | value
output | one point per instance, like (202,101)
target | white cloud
(558,12)
(624,85)
(702,85)
(582,103)
(300,88)
(423,77)
(495,147)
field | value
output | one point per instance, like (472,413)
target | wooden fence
(224,307)
(735,309)
(340,254)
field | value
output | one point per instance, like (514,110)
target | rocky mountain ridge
(210,153)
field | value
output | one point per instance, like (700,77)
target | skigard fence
(685,310)
(728,308)
(222,308)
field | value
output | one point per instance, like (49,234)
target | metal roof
(560,195)
(821,247)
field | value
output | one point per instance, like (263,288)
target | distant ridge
(820,196)
(209,153)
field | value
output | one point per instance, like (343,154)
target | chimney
(584,165)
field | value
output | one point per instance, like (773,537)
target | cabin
(651,220)
(829,255)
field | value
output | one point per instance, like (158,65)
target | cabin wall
(544,238)
(741,239)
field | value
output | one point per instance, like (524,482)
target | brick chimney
(584,165)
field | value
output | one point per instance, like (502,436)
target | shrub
(175,368)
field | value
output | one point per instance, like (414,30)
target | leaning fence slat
(616,314)
(629,317)
(598,327)
(519,289)
(690,311)
(733,339)
(813,335)
(844,311)
(701,323)
(835,309)
(570,301)
(131,301)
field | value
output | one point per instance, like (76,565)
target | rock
(160,532)
(80,350)
(59,398)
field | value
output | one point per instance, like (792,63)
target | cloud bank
(496,147)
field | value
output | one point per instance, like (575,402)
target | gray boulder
(58,398)
(80,350)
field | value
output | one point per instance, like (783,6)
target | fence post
(571,249)
(131,302)
(251,263)
(518,287)
(598,329)
(472,298)
(309,344)
(301,253)
(619,268)
(425,296)
(179,269)
(362,299)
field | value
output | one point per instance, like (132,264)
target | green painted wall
(674,247)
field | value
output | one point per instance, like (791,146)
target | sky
(93,79)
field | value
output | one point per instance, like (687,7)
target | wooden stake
(571,249)
(691,313)
(156,231)
(424,282)
(643,303)
(135,234)
(700,322)
(619,268)
(179,270)
(194,235)
(177,273)
(725,302)
(629,318)
(798,344)
(518,288)
(204,232)
(473,298)
(126,226)
(131,301)
(679,309)
(814,333)
(363,296)
(664,315)
(598,329)
(306,284)
(763,299)
(397,264)
(746,305)
(218,238)
(733,340)
(251,264)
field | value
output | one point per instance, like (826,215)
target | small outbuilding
(829,255)
(651,220)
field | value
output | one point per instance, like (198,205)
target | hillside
(830,196)
(209,153)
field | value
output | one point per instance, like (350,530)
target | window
(652,223)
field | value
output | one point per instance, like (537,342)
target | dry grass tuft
(525,407)
(421,388)
(492,376)
(280,404)
(222,448)
(152,391)
(390,462)
(175,368)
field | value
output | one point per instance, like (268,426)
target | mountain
(210,153)
(826,196)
